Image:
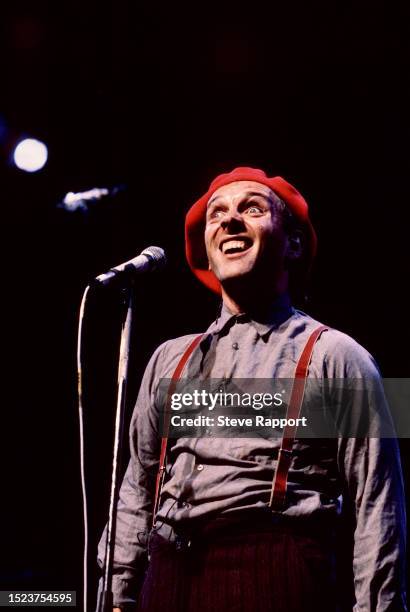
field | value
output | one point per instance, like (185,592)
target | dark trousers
(237,568)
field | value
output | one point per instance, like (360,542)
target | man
(250,523)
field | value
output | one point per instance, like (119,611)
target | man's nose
(232,220)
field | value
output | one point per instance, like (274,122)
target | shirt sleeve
(136,496)
(374,490)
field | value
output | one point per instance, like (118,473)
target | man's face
(244,235)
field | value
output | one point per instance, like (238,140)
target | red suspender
(164,442)
(279,483)
(280,480)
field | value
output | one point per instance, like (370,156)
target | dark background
(161,98)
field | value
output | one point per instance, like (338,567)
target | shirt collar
(263,319)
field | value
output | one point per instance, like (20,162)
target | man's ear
(295,247)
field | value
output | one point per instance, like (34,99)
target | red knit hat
(195,222)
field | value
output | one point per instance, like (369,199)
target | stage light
(30,155)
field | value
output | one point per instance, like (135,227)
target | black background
(161,98)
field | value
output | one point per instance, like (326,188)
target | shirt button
(235,346)
(200,467)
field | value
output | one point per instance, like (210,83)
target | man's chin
(234,273)
(234,270)
(238,279)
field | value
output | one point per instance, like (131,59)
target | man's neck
(250,303)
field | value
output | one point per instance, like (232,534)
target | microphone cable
(82,453)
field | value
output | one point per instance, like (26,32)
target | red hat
(195,222)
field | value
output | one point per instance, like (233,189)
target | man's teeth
(233,246)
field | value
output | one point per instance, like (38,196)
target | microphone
(151,258)
(83,200)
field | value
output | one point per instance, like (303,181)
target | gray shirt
(210,476)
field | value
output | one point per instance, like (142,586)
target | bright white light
(30,155)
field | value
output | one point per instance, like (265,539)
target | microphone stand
(105,603)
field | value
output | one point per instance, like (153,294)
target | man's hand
(116,610)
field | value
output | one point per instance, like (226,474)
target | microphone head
(157,255)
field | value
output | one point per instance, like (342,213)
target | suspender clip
(286,452)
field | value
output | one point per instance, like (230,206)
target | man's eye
(254,209)
(216,213)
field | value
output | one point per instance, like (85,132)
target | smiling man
(247,241)
(251,523)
